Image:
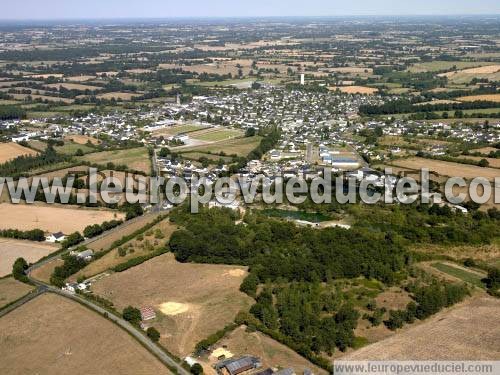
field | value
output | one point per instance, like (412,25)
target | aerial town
(89,285)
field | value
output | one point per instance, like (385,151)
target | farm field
(469,331)
(70,148)
(11,290)
(461,273)
(118,95)
(9,151)
(446,168)
(135,158)
(74,86)
(133,249)
(63,337)
(51,218)
(11,249)
(474,98)
(238,146)
(44,272)
(192,301)
(355,89)
(272,353)
(435,66)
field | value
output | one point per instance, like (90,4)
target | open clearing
(446,168)
(461,273)
(272,353)
(11,249)
(210,293)
(82,139)
(134,158)
(11,290)
(51,218)
(238,146)
(9,151)
(62,337)
(469,331)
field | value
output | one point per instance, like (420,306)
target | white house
(55,237)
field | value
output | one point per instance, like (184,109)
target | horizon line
(152,18)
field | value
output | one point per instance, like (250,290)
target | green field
(70,148)
(184,129)
(469,277)
(218,135)
(236,146)
(435,66)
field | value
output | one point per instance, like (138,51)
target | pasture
(192,301)
(63,337)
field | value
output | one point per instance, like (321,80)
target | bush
(153,334)
(18,270)
(131,314)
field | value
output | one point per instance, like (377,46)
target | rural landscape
(154,285)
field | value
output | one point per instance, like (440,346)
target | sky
(109,9)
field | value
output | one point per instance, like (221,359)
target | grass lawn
(468,277)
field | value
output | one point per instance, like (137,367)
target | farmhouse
(55,237)
(86,254)
(147,313)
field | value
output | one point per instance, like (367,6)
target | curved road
(135,332)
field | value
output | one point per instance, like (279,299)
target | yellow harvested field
(11,290)
(63,337)
(355,89)
(52,218)
(488,69)
(273,354)
(468,331)
(487,97)
(12,150)
(32,251)
(445,168)
(197,299)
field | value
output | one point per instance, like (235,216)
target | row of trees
(97,229)
(31,235)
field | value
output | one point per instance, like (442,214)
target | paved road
(135,332)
